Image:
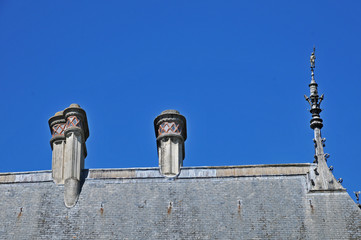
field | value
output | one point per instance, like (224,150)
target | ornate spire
(322,177)
(313,61)
(314,100)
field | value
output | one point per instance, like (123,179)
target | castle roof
(230,202)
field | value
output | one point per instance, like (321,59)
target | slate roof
(236,202)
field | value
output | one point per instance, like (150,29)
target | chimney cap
(171,115)
(57,118)
(60,117)
(170,111)
(60,113)
(74,105)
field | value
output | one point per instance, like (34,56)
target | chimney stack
(70,131)
(57,143)
(171,132)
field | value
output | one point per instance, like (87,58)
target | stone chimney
(57,143)
(171,132)
(70,131)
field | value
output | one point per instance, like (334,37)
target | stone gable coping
(149,173)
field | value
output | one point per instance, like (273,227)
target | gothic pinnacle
(322,177)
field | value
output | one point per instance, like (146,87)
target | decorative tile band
(169,127)
(73,121)
(58,129)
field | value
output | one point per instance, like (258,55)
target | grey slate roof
(240,202)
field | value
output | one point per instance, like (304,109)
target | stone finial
(357,194)
(70,131)
(171,133)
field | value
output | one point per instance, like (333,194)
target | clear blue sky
(237,70)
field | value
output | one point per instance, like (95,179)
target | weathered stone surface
(187,172)
(170,152)
(58,161)
(23,177)
(198,205)
(74,155)
(71,191)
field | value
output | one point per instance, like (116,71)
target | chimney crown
(170,123)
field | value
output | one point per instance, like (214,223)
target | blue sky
(237,70)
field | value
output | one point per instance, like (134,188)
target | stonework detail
(169,127)
(58,129)
(73,121)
